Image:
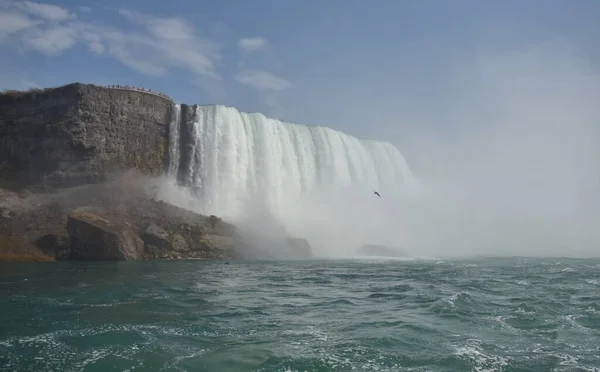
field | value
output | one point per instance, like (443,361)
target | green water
(377,315)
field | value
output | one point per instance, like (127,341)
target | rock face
(156,241)
(80,134)
(95,238)
(118,220)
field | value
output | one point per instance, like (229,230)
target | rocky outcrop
(94,238)
(156,241)
(80,134)
(118,220)
(32,227)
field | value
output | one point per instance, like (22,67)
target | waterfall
(230,159)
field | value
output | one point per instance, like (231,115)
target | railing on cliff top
(138,89)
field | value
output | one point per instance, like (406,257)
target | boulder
(156,241)
(94,238)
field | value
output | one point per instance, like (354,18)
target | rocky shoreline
(119,220)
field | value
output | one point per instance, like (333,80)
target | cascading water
(240,163)
(236,156)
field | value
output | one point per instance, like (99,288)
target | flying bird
(376,193)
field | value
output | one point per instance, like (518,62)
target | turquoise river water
(511,314)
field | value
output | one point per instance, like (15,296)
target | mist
(512,165)
(506,163)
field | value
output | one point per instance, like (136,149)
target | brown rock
(95,238)
(179,243)
(118,220)
(156,241)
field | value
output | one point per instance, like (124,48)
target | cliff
(116,220)
(80,134)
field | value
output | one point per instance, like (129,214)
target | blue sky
(357,66)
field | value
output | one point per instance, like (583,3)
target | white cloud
(162,42)
(93,40)
(53,40)
(44,33)
(268,84)
(250,45)
(154,46)
(47,11)
(11,23)
(134,51)
(171,29)
(262,80)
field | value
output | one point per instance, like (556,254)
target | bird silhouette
(376,193)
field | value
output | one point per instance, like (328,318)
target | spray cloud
(518,168)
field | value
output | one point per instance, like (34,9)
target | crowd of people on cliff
(130,87)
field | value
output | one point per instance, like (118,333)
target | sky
(347,64)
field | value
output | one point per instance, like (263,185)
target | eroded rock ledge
(118,220)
